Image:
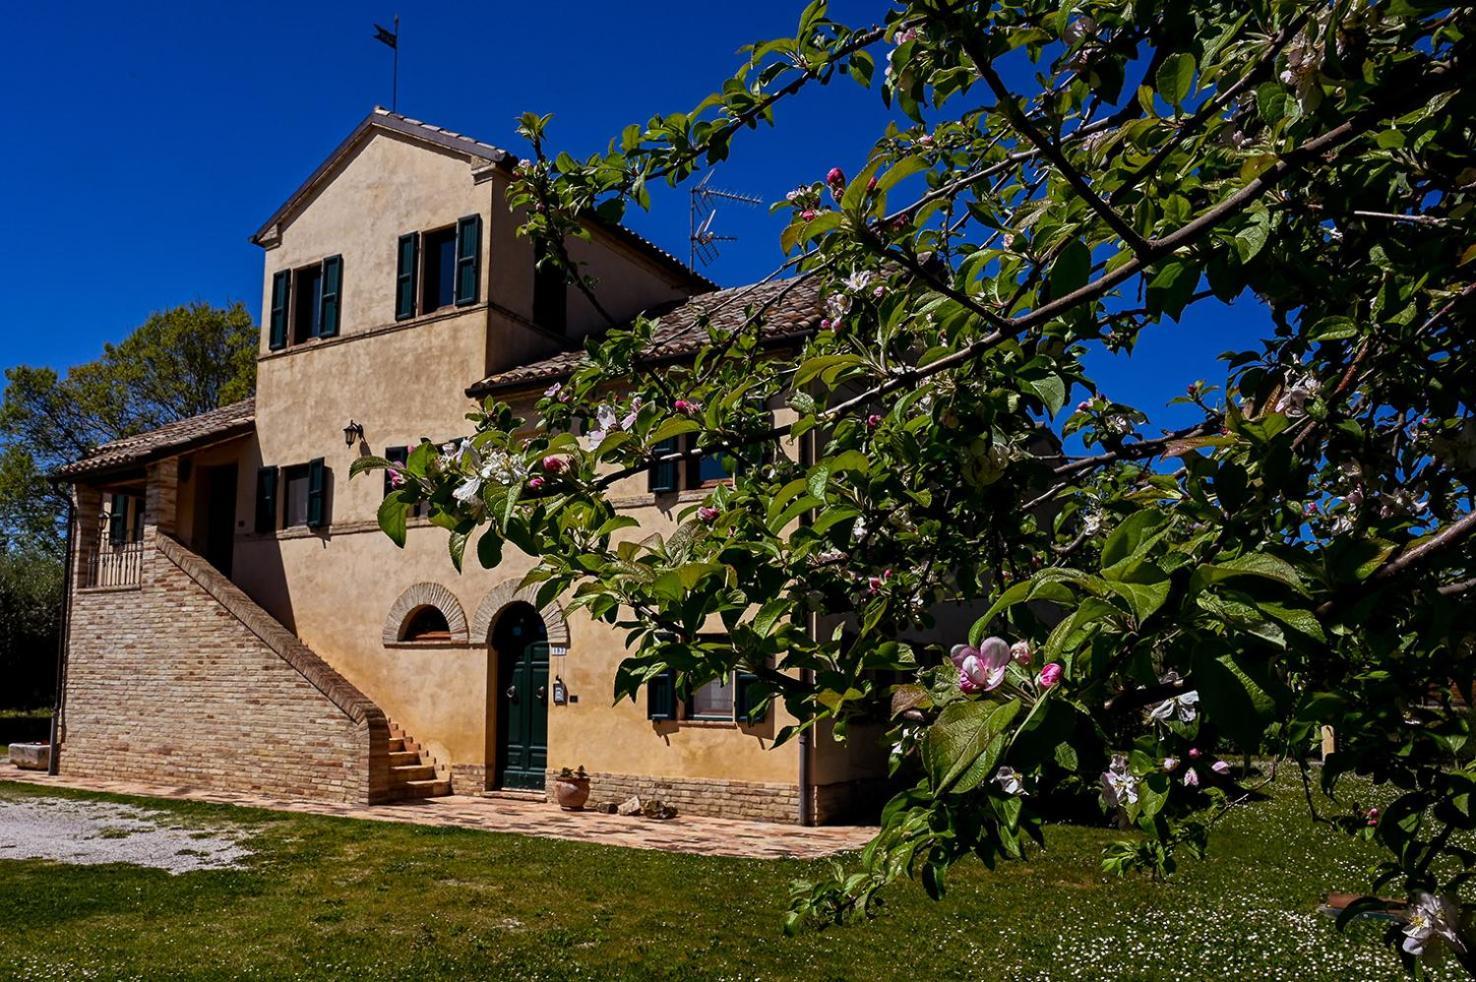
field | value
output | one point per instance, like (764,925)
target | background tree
(180,362)
(1157,602)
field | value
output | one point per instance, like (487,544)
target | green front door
(521,642)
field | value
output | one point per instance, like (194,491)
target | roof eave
(69,473)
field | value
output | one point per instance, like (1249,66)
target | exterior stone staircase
(412,769)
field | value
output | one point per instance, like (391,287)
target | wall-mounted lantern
(354,431)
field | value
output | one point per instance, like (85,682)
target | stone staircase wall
(183,679)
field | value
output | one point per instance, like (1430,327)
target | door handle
(542,694)
(512,693)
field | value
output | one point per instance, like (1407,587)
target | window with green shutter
(661,700)
(281,295)
(328,301)
(665,477)
(118,520)
(266,499)
(317,493)
(409,254)
(750,704)
(468,259)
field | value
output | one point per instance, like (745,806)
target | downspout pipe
(806,737)
(63,638)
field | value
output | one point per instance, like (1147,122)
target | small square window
(713,700)
(295,497)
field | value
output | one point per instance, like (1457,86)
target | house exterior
(237,620)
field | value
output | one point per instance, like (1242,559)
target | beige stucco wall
(335,586)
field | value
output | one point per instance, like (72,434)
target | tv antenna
(703,240)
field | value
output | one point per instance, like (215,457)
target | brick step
(422,789)
(401,745)
(412,772)
(402,758)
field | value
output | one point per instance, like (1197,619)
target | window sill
(709,724)
(313,344)
(120,588)
(449,643)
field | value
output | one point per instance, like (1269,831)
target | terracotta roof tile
(795,312)
(236,419)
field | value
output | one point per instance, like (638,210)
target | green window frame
(750,703)
(281,297)
(665,478)
(317,501)
(266,499)
(407,275)
(468,259)
(118,520)
(330,300)
(661,700)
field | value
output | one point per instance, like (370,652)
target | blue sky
(150,139)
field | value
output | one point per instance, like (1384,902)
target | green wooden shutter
(118,520)
(749,704)
(281,295)
(266,499)
(664,477)
(405,276)
(661,697)
(328,302)
(317,493)
(138,519)
(468,259)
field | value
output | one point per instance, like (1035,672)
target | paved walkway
(693,834)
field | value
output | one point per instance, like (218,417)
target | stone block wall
(698,796)
(182,679)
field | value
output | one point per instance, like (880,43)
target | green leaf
(392,518)
(960,736)
(1143,585)
(1051,390)
(1175,78)
(489,548)
(1134,536)
(1256,564)
(1240,694)
(366,462)
(1333,329)
(1071,269)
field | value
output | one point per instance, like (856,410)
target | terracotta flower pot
(571,792)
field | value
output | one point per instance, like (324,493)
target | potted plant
(571,789)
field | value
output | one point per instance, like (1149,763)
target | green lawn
(342,898)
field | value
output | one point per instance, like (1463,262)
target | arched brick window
(426,613)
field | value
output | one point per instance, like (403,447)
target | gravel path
(90,833)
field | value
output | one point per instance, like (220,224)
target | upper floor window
(125,519)
(292,496)
(439,268)
(305,303)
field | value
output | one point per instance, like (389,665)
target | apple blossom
(1020,651)
(1009,781)
(1191,778)
(1220,767)
(1433,926)
(1050,675)
(1170,764)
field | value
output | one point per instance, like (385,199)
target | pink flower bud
(685,407)
(873,421)
(1050,675)
(887,574)
(1373,816)
(535,483)
(1194,753)
(871,184)
(873,584)
(825,323)
(708,514)
(1191,778)
(808,214)
(553,465)
(1220,767)
(836,176)
(1170,764)
(396,478)
(925,140)
(1020,651)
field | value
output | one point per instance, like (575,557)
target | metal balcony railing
(113,565)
